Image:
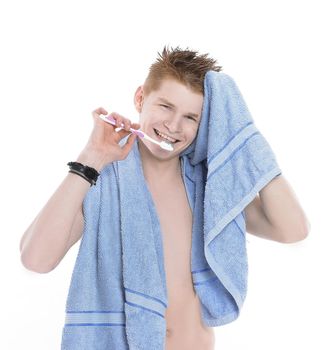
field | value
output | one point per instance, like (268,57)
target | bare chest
(183,318)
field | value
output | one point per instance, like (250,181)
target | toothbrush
(141,134)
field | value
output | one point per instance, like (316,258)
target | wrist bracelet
(86,172)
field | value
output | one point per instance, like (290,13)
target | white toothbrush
(141,134)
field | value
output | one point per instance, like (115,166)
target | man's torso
(185,329)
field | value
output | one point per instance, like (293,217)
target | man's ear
(139,98)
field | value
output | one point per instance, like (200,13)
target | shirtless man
(170,101)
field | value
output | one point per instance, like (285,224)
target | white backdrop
(62,59)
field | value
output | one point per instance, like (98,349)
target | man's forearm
(283,209)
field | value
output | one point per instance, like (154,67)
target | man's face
(174,110)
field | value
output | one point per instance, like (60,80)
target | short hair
(185,66)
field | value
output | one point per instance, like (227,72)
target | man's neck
(156,170)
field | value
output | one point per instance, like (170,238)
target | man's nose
(173,124)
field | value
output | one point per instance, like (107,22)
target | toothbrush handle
(109,119)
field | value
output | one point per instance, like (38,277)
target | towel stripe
(116,318)
(231,147)
(95,318)
(146,302)
(203,276)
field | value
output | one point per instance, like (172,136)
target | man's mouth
(165,137)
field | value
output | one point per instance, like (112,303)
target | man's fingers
(100,110)
(128,145)
(135,125)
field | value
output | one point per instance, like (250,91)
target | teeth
(166,137)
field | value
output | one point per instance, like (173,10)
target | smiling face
(173,110)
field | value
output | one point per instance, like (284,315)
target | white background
(62,59)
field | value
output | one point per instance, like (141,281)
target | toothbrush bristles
(166,146)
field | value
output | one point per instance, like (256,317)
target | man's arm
(276,214)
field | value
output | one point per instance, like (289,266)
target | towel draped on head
(118,294)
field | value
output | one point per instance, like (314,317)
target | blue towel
(118,295)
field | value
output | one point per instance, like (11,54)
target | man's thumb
(128,145)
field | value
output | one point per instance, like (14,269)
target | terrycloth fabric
(118,293)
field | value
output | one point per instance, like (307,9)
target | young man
(169,104)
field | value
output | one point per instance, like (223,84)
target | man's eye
(165,106)
(191,117)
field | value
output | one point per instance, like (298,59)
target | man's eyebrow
(162,99)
